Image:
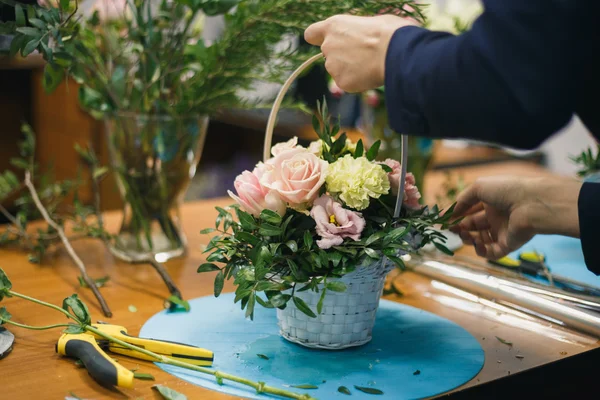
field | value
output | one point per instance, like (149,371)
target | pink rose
(296,175)
(253,197)
(290,144)
(411,191)
(334,223)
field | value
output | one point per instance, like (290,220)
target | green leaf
(250,306)
(344,390)
(5,284)
(269,230)
(280,300)
(219,283)
(308,240)
(304,386)
(16,45)
(368,390)
(398,233)
(358,153)
(263,303)
(99,281)
(271,217)
(372,153)
(386,168)
(372,253)
(76,307)
(144,377)
(30,47)
(32,32)
(262,356)
(207,231)
(217,256)
(336,286)
(321,299)
(506,342)
(443,248)
(19,15)
(374,237)
(4,315)
(64,4)
(53,76)
(246,237)
(292,245)
(212,8)
(302,306)
(74,329)
(169,394)
(316,125)
(208,267)
(176,300)
(248,222)
(339,144)
(38,23)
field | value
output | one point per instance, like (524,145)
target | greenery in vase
(310,215)
(588,162)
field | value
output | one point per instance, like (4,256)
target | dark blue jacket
(517,77)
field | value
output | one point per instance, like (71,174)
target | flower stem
(35,328)
(43,303)
(259,386)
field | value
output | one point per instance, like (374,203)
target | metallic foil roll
(539,300)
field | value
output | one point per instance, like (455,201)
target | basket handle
(273,118)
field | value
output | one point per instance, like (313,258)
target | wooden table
(34,371)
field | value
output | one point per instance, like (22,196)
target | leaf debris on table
(262,356)
(506,342)
(304,386)
(143,376)
(132,308)
(99,282)
(368,390)
(344,390)
(168,393)
(417,372)
(520,356)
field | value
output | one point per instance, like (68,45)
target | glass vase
(154,158)
(374,124)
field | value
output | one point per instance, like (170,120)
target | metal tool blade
(7,340)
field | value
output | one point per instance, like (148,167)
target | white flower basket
(347,318)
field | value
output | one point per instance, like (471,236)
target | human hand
(503,213)
(355,48)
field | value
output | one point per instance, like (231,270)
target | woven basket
(348,317)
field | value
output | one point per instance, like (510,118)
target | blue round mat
(413,354)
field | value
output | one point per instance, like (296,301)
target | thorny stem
(67,244)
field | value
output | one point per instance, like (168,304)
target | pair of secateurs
(533,264)
(91,350)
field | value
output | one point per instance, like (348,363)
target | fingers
(468,199)
(315,34)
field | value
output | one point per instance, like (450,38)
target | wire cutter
(91,350)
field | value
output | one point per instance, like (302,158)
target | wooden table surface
(34,371)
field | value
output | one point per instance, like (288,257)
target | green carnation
(355,181)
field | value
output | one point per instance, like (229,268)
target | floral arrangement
(310,214)
(588,163)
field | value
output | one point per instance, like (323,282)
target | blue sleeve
(589,222)
(512,79)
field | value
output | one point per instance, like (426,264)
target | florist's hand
(355,48)
(503,213)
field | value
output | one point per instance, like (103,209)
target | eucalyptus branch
(89,281)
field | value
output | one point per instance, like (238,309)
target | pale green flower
(356,181)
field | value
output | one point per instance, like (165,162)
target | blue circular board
(405,340)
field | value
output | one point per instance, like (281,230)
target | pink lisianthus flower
(254,197)
(335,223)
(296,175)
(280,147)
(411,191)
(335,90)
(372,98)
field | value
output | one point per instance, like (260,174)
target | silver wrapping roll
(525,295)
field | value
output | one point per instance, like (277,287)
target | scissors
(91,350)
(533,264)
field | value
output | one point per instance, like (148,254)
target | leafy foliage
(588,162)
(154,61)
(278,256)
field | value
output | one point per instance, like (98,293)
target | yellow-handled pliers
(90,349)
